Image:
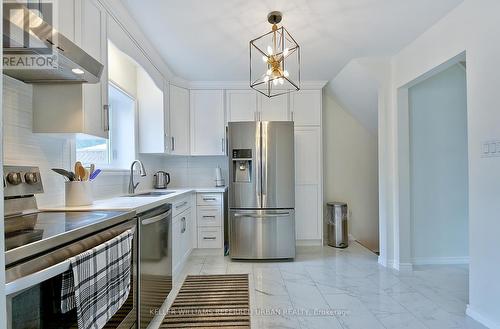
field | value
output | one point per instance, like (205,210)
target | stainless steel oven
(38,248)
(33,286)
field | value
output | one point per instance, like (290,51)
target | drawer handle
(209,199)
(209,217)
(209,238)
(181,205)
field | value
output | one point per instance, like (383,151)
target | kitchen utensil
(79,171)
(68,174)
(94,174)
(161,179)
(87,174)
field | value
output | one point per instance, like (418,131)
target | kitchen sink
(150,194)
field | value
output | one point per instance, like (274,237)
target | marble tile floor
(345,288)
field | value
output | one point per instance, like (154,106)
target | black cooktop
(29,234)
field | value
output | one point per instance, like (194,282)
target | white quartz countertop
(140,203)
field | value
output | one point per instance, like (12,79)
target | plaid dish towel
(98,281)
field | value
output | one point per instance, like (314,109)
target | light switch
(486,148)
(493,147)
(490,149)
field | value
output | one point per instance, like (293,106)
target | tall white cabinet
(305,109)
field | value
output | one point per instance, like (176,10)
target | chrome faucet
(131,185)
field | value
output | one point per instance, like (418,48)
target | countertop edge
(137,204)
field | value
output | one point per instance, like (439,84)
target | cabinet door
(307,212)
(308,203)
(176,242)
(241,105)
(305,107)
(179,121)
(274,108)
(207,122)
(151,115)
(91,34)
(307,155)
(187,233)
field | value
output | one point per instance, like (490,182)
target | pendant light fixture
(274,60)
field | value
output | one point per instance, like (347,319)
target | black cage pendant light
(275,60)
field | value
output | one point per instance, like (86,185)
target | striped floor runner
(211,301)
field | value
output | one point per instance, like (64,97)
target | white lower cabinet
(209,218)
(183,229)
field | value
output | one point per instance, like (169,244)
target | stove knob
(14,178)
(31,178)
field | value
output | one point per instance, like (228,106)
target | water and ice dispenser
(242,165)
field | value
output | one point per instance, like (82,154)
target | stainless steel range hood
(40,54)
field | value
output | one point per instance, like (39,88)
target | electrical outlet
(490,149)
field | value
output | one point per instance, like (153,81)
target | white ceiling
(208,39)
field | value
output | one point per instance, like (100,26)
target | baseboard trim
(481,318)
(402,267)
(310,242)
(440,260)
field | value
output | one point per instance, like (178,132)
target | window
(119,151)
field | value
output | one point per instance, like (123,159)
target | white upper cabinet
(179,121)
(91,35)
(274,108)
(76,108)
(305,107)
(241,105)
(151,115)
(207,122)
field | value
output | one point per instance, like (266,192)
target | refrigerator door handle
(258,165)
(264,161)
(278,214)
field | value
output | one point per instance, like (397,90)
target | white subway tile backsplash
(23,147)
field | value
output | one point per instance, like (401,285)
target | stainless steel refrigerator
(261,190)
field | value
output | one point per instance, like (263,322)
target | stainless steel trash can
(337,224)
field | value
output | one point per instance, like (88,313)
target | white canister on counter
(78,193)
(219,179)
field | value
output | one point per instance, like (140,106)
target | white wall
(351,170)
(438,168)
(472,27)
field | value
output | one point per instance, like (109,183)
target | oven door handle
(37,277)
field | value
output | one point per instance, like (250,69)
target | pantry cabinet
(207,122)
(308,199)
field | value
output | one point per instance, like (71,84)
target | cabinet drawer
(209,216)
(181,205)
(209,237)
(208,199)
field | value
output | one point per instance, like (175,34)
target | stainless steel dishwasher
(155,266)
